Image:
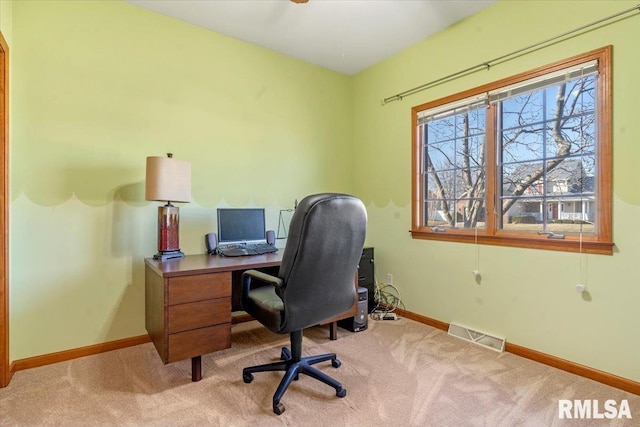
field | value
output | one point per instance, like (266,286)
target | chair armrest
(249,275)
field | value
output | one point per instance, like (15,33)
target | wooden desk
(188,303)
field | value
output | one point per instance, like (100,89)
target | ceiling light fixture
(299,1)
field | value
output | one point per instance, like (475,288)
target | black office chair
(315,283)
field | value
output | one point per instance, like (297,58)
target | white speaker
(271,237)
(211,240)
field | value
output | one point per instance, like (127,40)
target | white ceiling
(344,35)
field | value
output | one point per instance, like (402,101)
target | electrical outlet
(389,279)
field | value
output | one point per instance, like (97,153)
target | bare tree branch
(440,190)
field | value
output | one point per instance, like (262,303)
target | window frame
(599,243)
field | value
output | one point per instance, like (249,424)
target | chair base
(293,365)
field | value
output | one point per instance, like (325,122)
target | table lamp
(168,180)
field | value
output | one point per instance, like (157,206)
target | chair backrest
(320,259)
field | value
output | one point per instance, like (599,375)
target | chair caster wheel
(278,409)
(336,363)
(247,378)
(341,393)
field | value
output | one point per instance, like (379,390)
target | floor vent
(480,338)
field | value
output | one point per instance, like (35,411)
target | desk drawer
(184,317)
(199,287)
(198,342)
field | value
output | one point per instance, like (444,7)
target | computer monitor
(241,225)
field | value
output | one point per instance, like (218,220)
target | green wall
(526,296)
(6,20)
(100,85)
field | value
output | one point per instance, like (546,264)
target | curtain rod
(487,64)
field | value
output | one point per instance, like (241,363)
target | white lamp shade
(168,180)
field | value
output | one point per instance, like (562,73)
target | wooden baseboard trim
(61,356)
(422,319)
(575,368)
(546,359)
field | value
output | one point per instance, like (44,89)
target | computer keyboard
(245,250)
(263,248)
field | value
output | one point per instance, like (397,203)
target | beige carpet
(397,373)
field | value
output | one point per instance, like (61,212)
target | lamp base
(165,255)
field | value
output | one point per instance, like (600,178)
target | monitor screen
(241,225)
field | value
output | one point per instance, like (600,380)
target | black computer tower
(366,277)
(358,322)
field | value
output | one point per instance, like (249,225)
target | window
(525,161)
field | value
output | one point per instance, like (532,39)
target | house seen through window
(525,161)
